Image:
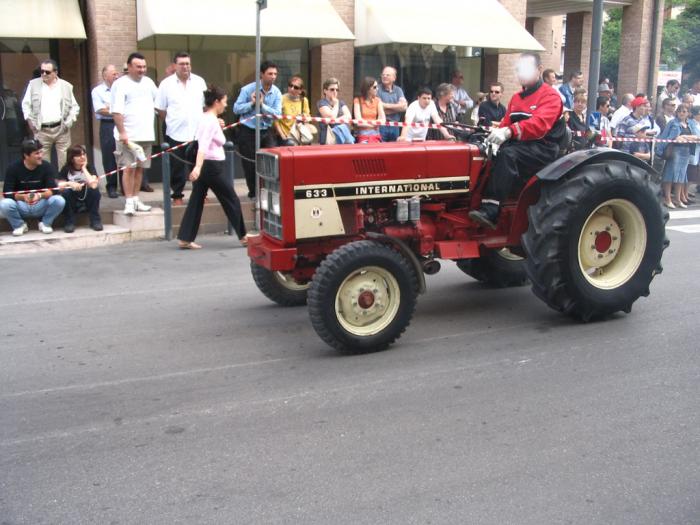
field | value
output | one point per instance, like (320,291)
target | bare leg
(684,193)
(138,177)
(128,182)
(666,186)
(677,191)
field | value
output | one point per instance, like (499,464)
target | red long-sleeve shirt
(533,113)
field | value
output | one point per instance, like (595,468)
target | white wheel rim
(612,244)
(367,301)
(288,282)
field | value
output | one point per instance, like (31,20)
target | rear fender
(563,166)
(559,169)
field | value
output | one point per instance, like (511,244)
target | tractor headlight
(264,199)
(276,209)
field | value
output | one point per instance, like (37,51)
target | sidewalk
(119,228)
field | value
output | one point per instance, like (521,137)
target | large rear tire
(595,240)
(499,268)
(362,297)
(279,287)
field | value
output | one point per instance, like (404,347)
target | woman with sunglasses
(330,106)
(79,189)
(675,175)
(368,106)
(294,103)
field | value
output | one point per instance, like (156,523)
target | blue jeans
(389,133)
(47,210)
(342,134)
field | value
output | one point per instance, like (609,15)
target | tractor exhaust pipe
(431,267)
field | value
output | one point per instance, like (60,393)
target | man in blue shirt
(567,90)
(394,102)
(244,107)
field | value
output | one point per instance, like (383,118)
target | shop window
(420,65)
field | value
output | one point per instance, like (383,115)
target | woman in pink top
(208,172)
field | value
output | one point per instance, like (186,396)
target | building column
(501,68)
(635,46)
(325,60)
(111,31)
(577,54)
(547,30)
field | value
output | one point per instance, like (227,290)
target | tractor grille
(369,168)
(269,198)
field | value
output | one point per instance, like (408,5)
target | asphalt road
(142,384)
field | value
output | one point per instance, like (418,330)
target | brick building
(223,52)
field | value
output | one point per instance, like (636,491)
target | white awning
(41,19)
(308,19)
(470,23)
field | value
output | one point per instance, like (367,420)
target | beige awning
(307,19)
(470,23)
(41,19)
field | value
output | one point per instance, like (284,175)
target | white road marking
(143,379)
(686,228)
(684,214)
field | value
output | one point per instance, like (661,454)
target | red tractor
(351,230)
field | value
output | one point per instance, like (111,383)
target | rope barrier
(330,121)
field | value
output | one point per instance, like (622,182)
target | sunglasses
(495,92)
(333,89)
(293,86)
(45,72)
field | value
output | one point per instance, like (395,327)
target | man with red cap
(528,137)
(639,114)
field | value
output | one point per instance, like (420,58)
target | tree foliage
(680,41)
(610,44)
(688,43)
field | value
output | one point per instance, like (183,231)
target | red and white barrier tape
(362,122)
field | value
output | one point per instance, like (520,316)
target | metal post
(594,64)
(167,203)
(259,6)
(230,168)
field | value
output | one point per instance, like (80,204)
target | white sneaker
(45,229)
(21,230)
(140,206)
(129,208)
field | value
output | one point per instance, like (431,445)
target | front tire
(595,240)
(362,297)
(499,268)
(279,287)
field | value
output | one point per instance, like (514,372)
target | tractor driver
(528,137)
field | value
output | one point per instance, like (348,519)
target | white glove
(498,136)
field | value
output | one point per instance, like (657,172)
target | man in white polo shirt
(180,102)
(133,109)
(421,111)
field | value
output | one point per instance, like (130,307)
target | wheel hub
(367,300)
(612,244)
(601,239)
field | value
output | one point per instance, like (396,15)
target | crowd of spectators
(126,104)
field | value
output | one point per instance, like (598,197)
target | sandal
(244,240)
(189,245)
